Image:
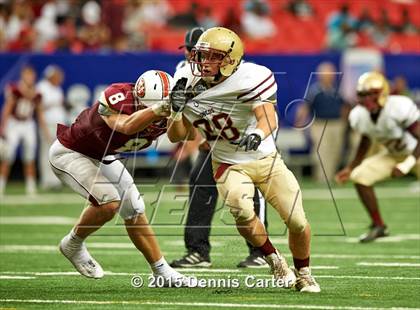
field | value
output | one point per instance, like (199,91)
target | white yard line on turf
(211,270)
(37,220)
(17,277)
(195,304)
(311,194)
(202,274)
(391,239)
(356,256)
(390,264)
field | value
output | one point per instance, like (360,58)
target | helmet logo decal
(141,89)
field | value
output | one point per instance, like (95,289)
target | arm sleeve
(272,99)
(103,108)
(409,113)
(116,98)
(353,119)
(259,87)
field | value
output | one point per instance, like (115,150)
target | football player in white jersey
(393,123)
(233,107)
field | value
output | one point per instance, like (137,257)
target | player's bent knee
(110,209)
(297,226)
(132,205)
(242,215)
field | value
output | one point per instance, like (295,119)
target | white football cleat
(79,256)
(305,281)
(281,270)
(174,279)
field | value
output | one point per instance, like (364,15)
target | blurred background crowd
(267,26)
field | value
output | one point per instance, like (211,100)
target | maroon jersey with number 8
(23,107)
(91,136)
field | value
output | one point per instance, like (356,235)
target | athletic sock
(161,267)
(30,185)
(267,248)
(74,238)
(375,215)
(300,263)
(72,243)
(2,185)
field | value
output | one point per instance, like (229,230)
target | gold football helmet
(373,84)
(217,51)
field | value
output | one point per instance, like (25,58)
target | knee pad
(132,204)
(242,212)
(242,215)
(241,208)
(297,225)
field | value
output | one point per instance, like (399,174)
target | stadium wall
(95,71)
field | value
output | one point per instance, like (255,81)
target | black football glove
(178,97)
(251,142)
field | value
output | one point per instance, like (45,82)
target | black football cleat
(374,233)
(191,260)
(253,261)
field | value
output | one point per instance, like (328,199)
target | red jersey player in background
(18,125)
(126,117)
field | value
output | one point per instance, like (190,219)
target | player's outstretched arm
(179,128)
(405,166)
(343,175)
(131,124)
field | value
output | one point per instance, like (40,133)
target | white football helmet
(153,87)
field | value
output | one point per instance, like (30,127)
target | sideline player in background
(52,104)
(233,106)
(203,195)
(18,125)
(391,121)
(127,117)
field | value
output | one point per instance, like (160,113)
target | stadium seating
(296,34)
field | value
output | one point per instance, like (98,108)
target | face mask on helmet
(369,99)
(153,87)
(217,53)
(206,62)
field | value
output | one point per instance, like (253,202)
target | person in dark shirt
(325,111)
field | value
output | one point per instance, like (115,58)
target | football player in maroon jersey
(126,117)
(18,125)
